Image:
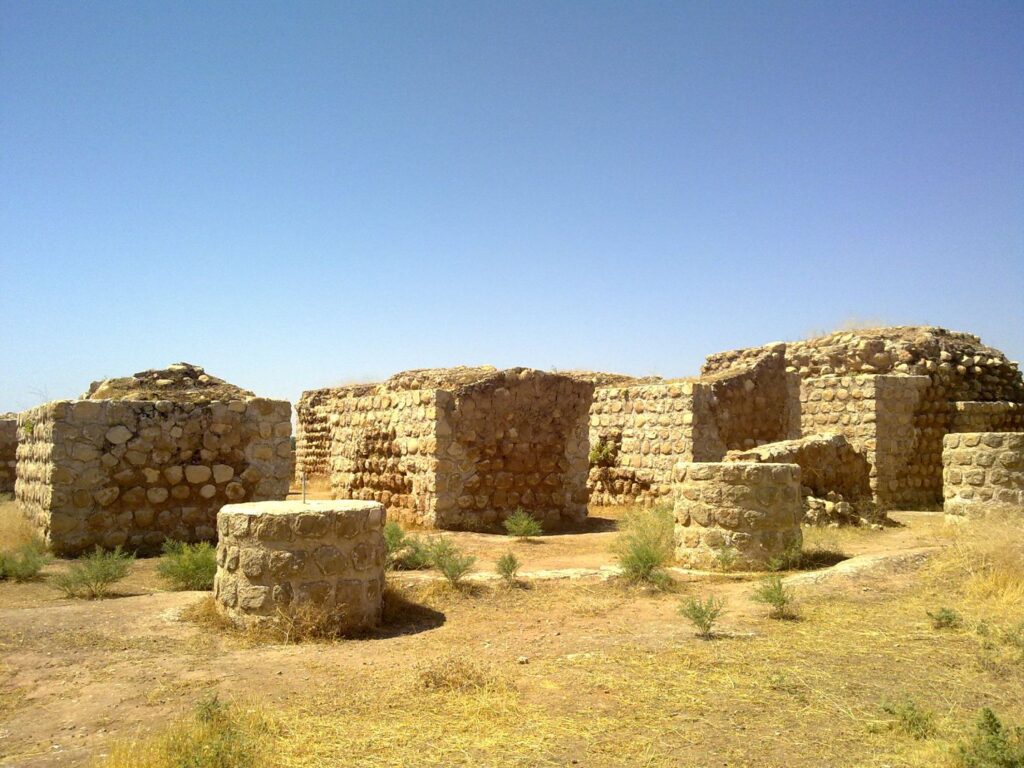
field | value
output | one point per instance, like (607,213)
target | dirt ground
(76,676)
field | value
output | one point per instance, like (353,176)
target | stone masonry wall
(983,472)
(8,452)
(131,473)
(987,417)
(876,413)
(313,438)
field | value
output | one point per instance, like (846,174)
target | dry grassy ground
(582,672)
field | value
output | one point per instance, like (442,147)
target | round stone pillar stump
(282,559)
(740,513)
(982,472)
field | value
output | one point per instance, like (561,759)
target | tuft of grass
(945,618)
(703,614)
(91,577)
(523,525)
(726,559)
(188,566)
(992,745)
(450,561)
(15,529)
(24,563)
(456,673)
(411,552)
(508,569)
(215,735)
(645,545)
(910,718)
(604,454)
(779,599)
(394,540)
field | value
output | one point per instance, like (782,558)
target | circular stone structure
(740,513)
(321,559)
(982,472)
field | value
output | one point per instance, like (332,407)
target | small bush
(703,615)
(790,560)
(726,558)
(773,593)
(603,454)
(410,552)
(522,525)
(645,545)
(945,618)
(450,561)
(24,563)
(910,718)
(90,577)
(508,568)
(394,537)
(188,566)
(992,745)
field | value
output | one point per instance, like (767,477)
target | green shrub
(703,615)
(522,525)
(188,566)
(645,545)
(394,537)
(603,454)
(508,568)
(910,718)
(91,576)
(24,563)
(726,558)
(992,745)
(450,561)
(790,560)
(416,555)
(945,618)
(776,596)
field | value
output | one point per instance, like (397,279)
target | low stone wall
(8,452)
(136,473)
(322,562)
(983,472)
(736,513)
(876,414)
(828,464)
(1001,416)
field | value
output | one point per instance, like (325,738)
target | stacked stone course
(746,512)
(319,561)
(136,473)
(455,448)
(8,451)
(987,417)
(982,472)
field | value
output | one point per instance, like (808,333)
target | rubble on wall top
(181,382)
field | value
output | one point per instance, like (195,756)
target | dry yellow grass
(15,530)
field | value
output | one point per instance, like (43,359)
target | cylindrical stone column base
(319,561)
(742,514)
(982,472)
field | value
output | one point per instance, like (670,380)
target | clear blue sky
(300,194)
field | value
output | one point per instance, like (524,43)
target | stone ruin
(148,458)
(983,472)
(8,450)
(458,448)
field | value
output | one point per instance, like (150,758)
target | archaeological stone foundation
(319,562)
(138,472)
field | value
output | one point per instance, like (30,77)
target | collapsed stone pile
(181,382)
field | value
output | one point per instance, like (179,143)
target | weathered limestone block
(8,451)
(747,512)
(289,558)
(982,472)
(137,473)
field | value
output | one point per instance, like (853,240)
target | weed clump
(450,561)
(703,614)
(23,563)
(992,745)
(910,718)
(779,599)
(945,618)
(645,545)
(603,454)
(523,525)
(508,569)
(188,566)
(405,552)
(91,577)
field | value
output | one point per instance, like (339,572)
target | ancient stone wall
(999,416)
(828,464)
(313,438)
(736,514)
(876,414)
(322,562)
(8,451)
(983,472)
(136,473)
(458,448)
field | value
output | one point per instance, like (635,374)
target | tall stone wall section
(384,447)
(313,438)
(8,452)
(134,474)
(983,472)
(876,414)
